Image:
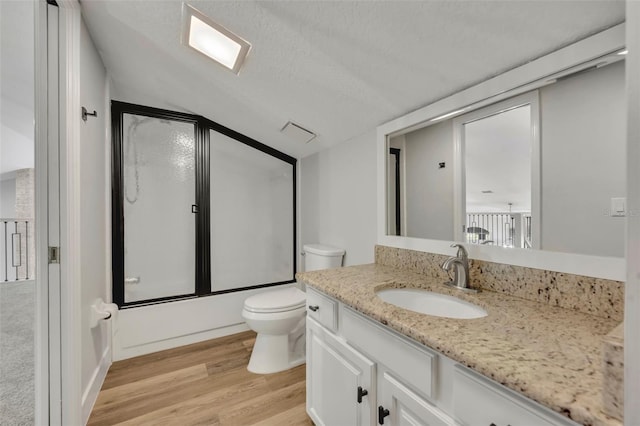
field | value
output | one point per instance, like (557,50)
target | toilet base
(271,355)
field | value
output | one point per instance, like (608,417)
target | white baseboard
(90,394)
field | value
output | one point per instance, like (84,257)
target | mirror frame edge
(511,83)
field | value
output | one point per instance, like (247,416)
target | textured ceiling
(338,68)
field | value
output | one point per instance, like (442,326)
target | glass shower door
(158,170)
(252,218)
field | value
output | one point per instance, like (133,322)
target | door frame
(69,119)
(45,372)
(57,130)
(632,286)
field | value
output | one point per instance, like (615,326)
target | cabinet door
(479,401)
(337,378)
(400,406)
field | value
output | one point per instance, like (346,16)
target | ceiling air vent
(298,133)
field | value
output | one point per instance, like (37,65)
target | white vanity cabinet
(339,380)
(360,372)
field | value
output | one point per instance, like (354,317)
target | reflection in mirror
(497,158)
(499,181)
(538,174)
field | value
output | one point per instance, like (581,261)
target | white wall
(16,86)
(8,198)
(338,198)
(94,220)
(429,189)
(583,162)
(17,149)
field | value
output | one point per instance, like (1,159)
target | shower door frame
(118,109)
(202,127)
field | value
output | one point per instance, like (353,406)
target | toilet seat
(283,300)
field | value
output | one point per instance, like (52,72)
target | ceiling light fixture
(211,39)
(624,52)
(448,115)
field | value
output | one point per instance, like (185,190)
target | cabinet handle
(361,393)
(314,308)
(382,413)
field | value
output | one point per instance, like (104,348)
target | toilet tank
(320,256)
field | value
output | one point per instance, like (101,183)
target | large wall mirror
(527,168)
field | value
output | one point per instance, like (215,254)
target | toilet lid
(285,299)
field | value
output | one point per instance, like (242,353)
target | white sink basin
(430,303)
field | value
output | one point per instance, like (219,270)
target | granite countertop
(552,355)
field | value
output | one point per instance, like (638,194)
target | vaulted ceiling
(338,68)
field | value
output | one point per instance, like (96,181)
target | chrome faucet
(460,263)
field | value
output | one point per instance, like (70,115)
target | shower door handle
(195,208)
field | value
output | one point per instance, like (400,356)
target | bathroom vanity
(370,362)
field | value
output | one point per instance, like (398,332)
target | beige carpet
(17,321)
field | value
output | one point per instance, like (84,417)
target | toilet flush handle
(314,308)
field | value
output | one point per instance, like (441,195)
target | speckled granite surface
(613,372)
(549,354)
(595,296)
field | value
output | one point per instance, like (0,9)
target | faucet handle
(462,252)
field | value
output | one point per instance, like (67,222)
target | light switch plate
(618,207)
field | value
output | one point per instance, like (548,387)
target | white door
(340,387)
(400,406)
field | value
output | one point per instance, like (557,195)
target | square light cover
(298,133)
(211,39)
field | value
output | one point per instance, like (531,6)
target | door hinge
(54,255)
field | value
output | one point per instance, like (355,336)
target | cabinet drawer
(412,364)
(478,401)
(322,309)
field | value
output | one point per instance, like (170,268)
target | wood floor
(202,384)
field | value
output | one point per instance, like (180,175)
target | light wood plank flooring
(202,384)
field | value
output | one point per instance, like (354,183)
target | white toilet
(278,316)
